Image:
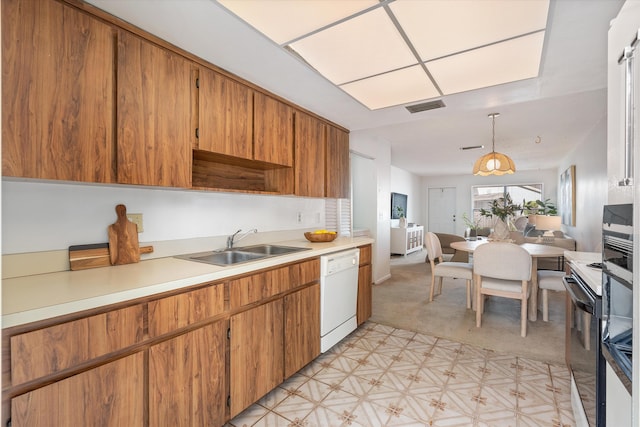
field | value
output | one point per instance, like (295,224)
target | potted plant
(472,226)
(403,219)
(503,209)
(539,207)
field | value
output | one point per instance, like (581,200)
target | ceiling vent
(471,147)
(431,105)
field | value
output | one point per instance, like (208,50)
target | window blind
(338,216)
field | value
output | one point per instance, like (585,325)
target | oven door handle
(579,297)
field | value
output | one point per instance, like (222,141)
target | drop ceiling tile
(286,20)
(398,87)
(366,45)
(513,60)
(442,27)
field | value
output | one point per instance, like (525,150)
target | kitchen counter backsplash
(34,297)
(28,264)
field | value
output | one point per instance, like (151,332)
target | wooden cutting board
(82,257)
(123,239)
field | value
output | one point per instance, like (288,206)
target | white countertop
(32,298)
(579,261)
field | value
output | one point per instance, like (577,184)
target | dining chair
(504,270)
(549,280)
(441,268)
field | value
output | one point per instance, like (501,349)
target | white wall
(380,152)
(407,183)
(590,159)
(53,216)
(364,194)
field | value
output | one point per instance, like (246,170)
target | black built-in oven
(617,289)
(583,350)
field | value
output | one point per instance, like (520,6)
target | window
(483,195)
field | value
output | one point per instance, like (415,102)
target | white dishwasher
(338,296)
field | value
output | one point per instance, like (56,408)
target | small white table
(405,240)
(536,251)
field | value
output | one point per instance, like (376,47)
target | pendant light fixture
(494,163)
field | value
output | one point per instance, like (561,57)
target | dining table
(535,250)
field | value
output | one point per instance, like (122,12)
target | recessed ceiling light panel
(286,20)
(372,49)
(361,47)
(395,88)
(438,28)
(513,60)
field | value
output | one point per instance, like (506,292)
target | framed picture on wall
(568,196)
(398,205)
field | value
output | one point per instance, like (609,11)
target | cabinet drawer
(365,254)
(305,272)
(55,348)
(178,311)
(257,287)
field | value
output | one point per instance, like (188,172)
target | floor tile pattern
(383,376)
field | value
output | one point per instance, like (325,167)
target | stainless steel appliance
(617,281)
(338,296)
(583,350)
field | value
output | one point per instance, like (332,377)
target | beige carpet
(403,302)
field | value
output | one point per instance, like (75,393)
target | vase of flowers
(502,210)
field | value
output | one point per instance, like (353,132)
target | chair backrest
(502,260)
(434,249)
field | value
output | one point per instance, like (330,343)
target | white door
(442,210)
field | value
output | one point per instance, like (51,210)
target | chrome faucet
(231,241)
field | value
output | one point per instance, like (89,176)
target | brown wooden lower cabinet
(256,356)
(365,291)
(187,378)
(301,328)
(109,395)
(198,357)
(365,294)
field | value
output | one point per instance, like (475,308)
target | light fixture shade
(548,222)
(494,163)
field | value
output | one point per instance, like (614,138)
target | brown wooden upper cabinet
(58,77)
(310,156)
(337,164)
(322,159)
(154,123)
(225,112)
(272,131)
(236,121)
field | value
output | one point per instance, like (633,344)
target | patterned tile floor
(382,376)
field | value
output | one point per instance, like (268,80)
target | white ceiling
(561,106)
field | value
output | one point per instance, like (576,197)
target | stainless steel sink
(226,257)
(240,255)
(270,250)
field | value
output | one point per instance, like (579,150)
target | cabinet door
(310,156)
(273,131)
(256,354)
(301,328)
(111,394)
(337,172)
(58,78)
(225,115)
(155,130)
(187,378)
(365,294)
